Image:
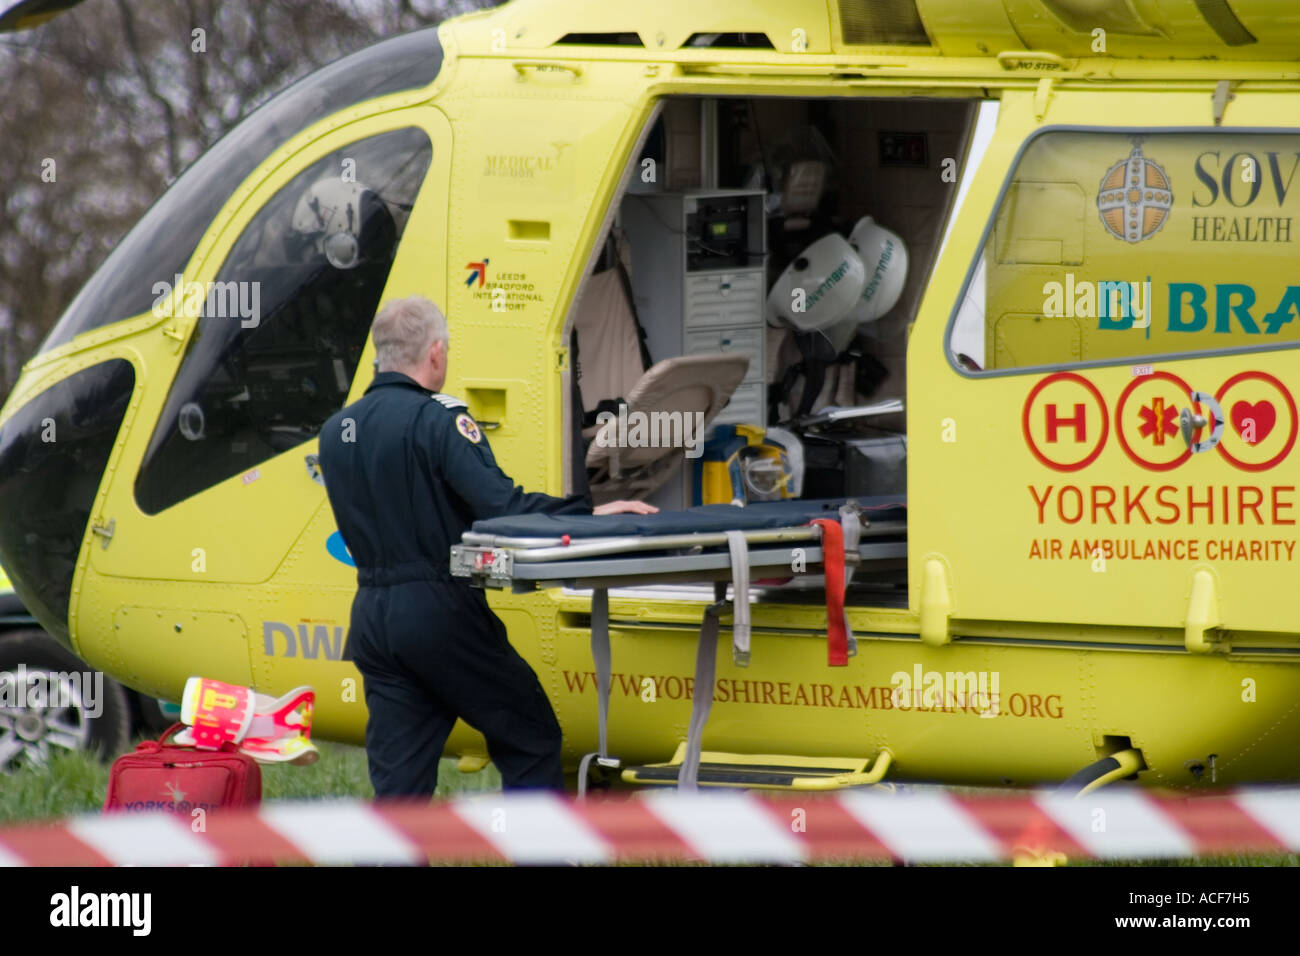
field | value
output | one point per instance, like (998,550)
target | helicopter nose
(53,451)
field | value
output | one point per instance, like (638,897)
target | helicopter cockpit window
(162,242)
(286,318)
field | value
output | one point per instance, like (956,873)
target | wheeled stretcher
(768,542)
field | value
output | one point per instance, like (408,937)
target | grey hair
(404,329)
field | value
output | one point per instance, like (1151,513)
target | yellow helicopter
(1089,210)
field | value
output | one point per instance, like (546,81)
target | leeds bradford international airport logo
(1135,197)
(477,270)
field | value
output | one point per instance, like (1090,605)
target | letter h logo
(1078,422)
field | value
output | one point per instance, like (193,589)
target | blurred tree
(106,105)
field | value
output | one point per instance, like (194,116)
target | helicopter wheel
(43,711)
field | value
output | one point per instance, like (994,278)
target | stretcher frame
(738,557)
(529,564)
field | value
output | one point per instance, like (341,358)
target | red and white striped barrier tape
(920,826)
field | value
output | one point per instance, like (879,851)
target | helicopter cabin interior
(797,234)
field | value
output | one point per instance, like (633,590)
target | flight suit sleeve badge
(469,428)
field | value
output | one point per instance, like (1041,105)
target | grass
(72,783)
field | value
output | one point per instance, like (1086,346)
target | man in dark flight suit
(407,471)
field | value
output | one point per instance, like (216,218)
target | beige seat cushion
(668,396)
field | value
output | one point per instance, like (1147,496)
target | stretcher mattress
(702,518)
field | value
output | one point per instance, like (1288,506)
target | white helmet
(885,258)
(343,219)
(826,279)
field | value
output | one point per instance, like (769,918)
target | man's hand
(625,507)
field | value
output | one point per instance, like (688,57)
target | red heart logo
(1262,414)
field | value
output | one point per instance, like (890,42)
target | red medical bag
(160,775)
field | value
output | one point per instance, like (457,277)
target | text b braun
(1120,305)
